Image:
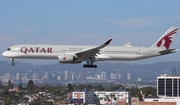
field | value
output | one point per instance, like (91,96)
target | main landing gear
(89,65)
(12,61)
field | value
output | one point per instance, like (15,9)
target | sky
(92,22)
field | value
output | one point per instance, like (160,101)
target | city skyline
(109,73)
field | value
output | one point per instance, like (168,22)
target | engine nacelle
(67,58)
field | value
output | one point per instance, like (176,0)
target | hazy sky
(140,22)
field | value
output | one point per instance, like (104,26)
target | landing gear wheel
(84,66)
(89,66)
(12,61)
(12,64)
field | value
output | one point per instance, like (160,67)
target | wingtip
(108,41)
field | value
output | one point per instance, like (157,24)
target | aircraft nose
(4,54)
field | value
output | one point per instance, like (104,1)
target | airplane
(74,54)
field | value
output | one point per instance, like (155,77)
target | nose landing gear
(12,61)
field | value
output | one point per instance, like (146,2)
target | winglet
(108,41)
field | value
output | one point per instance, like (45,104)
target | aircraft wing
(91,53)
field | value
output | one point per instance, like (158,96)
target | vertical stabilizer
(166,39)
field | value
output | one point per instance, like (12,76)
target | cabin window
(9,49)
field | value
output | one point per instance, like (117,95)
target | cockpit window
(9,49)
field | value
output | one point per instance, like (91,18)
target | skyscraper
(46,75)
(58,78)
(103,75)
(66,75)
(128,76)
(24,79)
(168,86)
(6,77)
(98,77)
(81,76)
(72,76)
(17,76)
(35,76)
(112,75)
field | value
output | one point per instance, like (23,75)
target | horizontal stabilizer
(168,51)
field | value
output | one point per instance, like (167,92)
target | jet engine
(67,58)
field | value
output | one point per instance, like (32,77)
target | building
(128,76)
(15,89)
(6,77)
(168,86)
(24,79)
(98,77)
(46,75)
(112,76)
(35,77)
(103,75)
(81,76)
(59,78)
(162,101)
(168,91)
(66,75)
(72,76)
(17,76)
(105,97)
(78,96)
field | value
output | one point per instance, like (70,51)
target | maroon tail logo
(166,40)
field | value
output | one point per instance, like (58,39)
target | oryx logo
(167,39)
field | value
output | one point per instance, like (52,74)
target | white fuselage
(121,53)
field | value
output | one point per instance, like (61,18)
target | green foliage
(135,92)
(20,86)
(114,88)
(70,87)
(1,85)
(48,103)
(46,86)
(61,92)
(10,98)
(98,102)
(99,88)
(10,84)
(149,91)
(30,86)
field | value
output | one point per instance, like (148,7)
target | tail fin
(166,39)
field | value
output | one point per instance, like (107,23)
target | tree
(10,84)
(46,86)
(149,91)
(99,88)
(98,102)
(1,85)
(30,86)
(135,92)
(20,86)
(70,88)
